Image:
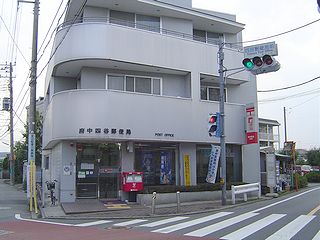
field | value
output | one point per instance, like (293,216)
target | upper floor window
(140,84)
(206,37)
(211,93)
(149,23)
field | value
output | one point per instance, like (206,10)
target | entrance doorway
(98,170)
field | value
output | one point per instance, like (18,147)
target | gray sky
(299,53)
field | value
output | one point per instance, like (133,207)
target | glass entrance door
(98,170)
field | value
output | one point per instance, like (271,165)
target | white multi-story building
(129,88)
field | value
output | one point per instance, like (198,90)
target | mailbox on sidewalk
(132,181)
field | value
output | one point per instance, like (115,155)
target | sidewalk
(92,209)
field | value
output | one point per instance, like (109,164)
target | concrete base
(274,195)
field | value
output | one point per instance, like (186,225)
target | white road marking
(291,229)
(191,223)
(123,224)
(162,222)
(92,223)
(317,236)
(220,225)
(17,216)
(285,200)
(5,208)
(254,227)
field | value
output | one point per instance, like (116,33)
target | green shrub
(313,177)
(302,181)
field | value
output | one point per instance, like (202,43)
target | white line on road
(5,208)
(291,229)
(92,223)
(220,225)
(17,216)
(123,224)
(254,227)
(285,200)
(317,236)
(191,223)
(162,222)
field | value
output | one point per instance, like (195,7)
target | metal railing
(135,25)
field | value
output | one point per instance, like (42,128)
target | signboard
(271,170)
(186,161)
(251,133)
(213,164)
(32,147)
(260,50)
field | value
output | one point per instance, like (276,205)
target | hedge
(302,181)
(313,177)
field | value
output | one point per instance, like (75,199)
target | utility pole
(285,124)
(12,158)
(33,84)
(223,173)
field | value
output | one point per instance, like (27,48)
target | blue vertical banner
(165,168)
(213,164)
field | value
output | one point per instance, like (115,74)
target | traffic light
(258,65)
(214,125)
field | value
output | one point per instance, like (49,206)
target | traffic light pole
(223,172)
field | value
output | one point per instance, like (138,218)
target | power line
(64,36)
(285,88)
(314,91)
(13,40)
(278,34)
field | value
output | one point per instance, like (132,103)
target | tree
(314,157)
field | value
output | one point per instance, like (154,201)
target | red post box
(132,181)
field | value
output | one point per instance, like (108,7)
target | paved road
(296,216)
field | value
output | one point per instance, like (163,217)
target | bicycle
(51,186)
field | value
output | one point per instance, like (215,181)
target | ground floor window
(233,158)
(157,162)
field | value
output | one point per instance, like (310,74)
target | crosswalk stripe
(179,226)
(317,236)
(162,222)
(291,229)
(254,227)
(123,224)
(220,225)
(92,223)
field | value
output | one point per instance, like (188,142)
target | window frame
(134,83)
(208,94)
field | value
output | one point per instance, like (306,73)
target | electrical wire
(52,33)
(285,88)
(314,91)
(278,34)
(67,31)
(13,40)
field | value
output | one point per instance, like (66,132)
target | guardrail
(244,189)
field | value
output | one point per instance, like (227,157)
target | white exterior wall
(86,103)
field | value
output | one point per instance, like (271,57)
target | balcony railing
(268,136)
(124,23)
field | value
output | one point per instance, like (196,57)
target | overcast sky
(299,55)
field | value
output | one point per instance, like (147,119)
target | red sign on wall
(252,137)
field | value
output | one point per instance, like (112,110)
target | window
(143,85)
(211,93)
(122,18)
(199,35)
(207,37)
(149,23)
(115,82)
(134,84)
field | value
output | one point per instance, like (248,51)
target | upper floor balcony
(100,115)
(103,40)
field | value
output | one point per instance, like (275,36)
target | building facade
(269,134)
(129,88)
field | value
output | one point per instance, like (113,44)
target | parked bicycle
(51,187)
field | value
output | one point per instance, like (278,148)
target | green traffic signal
(248,63)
